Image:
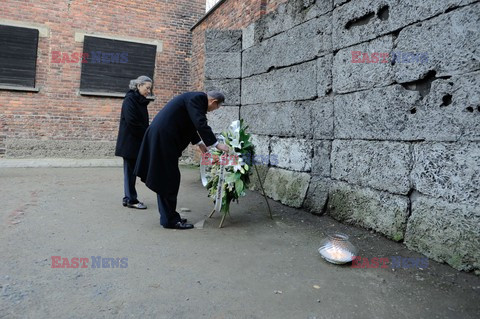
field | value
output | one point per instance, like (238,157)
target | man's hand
(203,148)
(223,147)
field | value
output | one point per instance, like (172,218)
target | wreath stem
(263,191)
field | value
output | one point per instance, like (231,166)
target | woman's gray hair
(140,80)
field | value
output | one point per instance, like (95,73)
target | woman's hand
(223,147)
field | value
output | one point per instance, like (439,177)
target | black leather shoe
(183,220)
(180,225)
(124,203)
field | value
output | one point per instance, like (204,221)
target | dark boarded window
(18,56)
(111,64)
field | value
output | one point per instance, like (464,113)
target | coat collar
(138,97)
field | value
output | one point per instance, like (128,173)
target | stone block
(287,187)
(362,20)
(317,195)
(383,166)
(230,88)
(349,76)
(288,84)
(219,120)
(28,148)
(256,182)
(248,36)
(285,119)
(322,118)
(223,41)
(223,65)
(262,149)
(450,171)
(321,158)
(337,3)
(299,44)
(443,110)
(324,75)
(378,114)
(288,15)
(293,154)
(451,109)
(445,232)
(450,41)
(381,211)
(299,119)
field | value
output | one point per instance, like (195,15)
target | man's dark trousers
(129,181)
(167,208)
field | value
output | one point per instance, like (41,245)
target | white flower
(235,142)
(234,128)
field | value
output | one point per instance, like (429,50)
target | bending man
(182,121)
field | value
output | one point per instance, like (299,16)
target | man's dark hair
(217,95)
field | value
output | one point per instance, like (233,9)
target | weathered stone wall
(393,147)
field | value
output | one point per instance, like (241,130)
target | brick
(57,121)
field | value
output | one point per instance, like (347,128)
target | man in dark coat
(182,121)
(133,124)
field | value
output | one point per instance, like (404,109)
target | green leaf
(231,178)
(239,187)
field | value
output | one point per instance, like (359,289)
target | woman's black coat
(170,132)
(133,124)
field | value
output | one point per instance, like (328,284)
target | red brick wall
(57,112)
(231,14)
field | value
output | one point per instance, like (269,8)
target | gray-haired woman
(133,124)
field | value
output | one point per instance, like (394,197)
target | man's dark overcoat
(170,132)
(133,124)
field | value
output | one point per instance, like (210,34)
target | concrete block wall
(393,147)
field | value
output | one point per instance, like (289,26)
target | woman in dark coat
(182,121)
(133,124)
